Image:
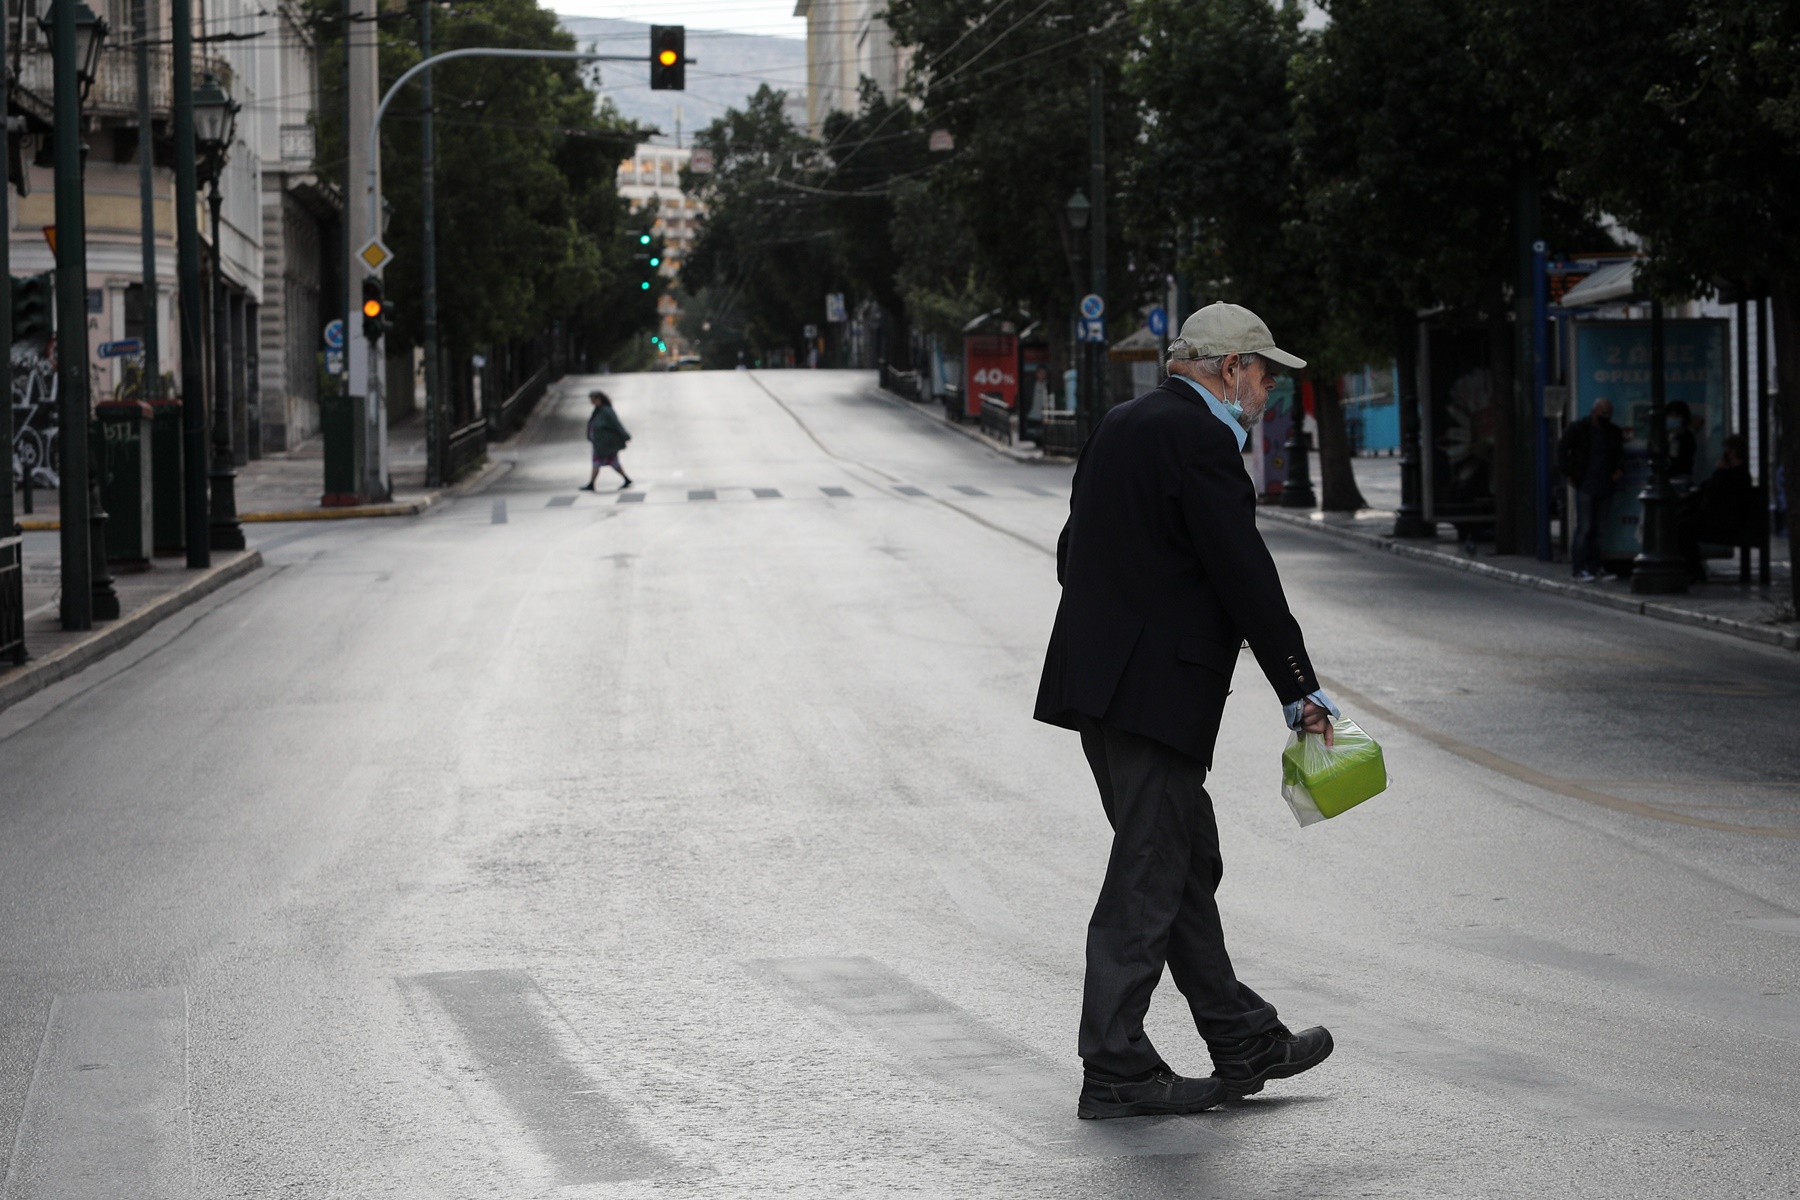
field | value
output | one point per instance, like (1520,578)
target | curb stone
(38,674)
(1032,457)
(1746,630)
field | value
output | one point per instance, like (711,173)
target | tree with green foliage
(531,229)
(1212,77)
(764,250)
(1009,80)
(1422,180)
(1687,130)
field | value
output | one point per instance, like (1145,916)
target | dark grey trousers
(1157,906)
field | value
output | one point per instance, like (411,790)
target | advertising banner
(1612,360)
(991,367)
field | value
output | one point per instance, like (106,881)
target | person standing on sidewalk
(1164,575)
(1592,456)
(608,437)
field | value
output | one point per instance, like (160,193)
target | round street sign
(1158,322)
(1093,307)
(334,335)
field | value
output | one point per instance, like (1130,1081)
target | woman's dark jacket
(605,431)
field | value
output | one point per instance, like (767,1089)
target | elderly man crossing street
(1164,575)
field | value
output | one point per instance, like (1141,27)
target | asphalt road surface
(698,842)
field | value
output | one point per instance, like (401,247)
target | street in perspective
(936,598)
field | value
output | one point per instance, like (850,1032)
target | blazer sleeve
(1218,504)
(1062,539)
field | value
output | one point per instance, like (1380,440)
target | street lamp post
(1079,211)
(187,290)
(1297,488)
(215,119)
(76,35)
(1659,569)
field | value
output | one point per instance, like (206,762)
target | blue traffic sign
(1091,331)
(1158,322)
(334,335)
(122,349)
(1093,307)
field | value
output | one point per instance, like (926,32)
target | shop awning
(1609,285)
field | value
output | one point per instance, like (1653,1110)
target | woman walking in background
(608,437)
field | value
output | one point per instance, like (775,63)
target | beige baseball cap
(1229,329)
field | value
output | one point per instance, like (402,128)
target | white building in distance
(847,41)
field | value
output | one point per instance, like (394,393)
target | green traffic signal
(645,285)
(656,262)
(643,239)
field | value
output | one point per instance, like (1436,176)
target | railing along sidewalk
(511,412)
(12,599)
(996,419)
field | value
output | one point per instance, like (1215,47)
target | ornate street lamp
(90,34)
(1079,209)
(215,123)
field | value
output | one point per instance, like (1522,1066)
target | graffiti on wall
(34,414)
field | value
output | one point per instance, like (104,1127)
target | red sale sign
(990,367)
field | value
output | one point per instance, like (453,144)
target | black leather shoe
(1163,1093)
(1243,1067)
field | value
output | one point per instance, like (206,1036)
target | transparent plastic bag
(1320,781)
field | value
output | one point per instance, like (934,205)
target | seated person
(1719,510)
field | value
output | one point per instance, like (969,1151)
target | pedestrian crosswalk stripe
(509,1043)
(560,502)
(906,489)
(966,490)
(767,493)
(702,494)
(106,1112)
(838,492)
(630,498)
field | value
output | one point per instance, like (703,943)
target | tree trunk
(1337,479)
(1785,324)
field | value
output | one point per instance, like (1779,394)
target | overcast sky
(745,16)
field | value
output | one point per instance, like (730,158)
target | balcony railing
(115,86)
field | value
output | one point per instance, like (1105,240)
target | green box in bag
(1339,777)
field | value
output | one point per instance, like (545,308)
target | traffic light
(668,58)
(33,303)
(374,309)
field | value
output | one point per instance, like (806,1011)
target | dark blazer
(1164,575)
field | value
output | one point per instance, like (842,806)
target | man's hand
(1314,719)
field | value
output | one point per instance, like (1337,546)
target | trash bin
(125,480)
(168,504)
(346,449)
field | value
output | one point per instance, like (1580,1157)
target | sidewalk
(1750,611)
(933,411)
(287,486)
(278,487)
(145,597)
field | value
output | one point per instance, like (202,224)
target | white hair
(1212,364)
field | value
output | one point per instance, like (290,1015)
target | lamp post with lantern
(76,36)
(215,123)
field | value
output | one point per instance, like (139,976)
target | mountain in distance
(727,70)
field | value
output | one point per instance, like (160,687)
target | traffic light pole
(434,450)
(428,202)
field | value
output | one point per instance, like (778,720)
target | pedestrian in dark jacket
(608,437)
(1163,576)
(1592,455)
